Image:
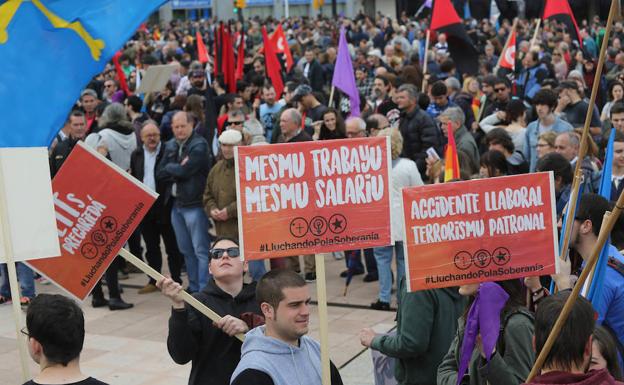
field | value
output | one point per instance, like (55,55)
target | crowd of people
(180,142)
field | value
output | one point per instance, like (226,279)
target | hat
(374,52)
(230,137)
(301,91)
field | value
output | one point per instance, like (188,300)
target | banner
(480,230)
(98,206)
(313,197)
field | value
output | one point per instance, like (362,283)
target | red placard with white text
(98,206)
(313,197)
(480,230)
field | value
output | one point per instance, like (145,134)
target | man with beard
(200,87)
(269,109)
(280,351)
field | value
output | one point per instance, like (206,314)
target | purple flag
(483,318)
(344,76)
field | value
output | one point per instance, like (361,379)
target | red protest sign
(313,197)
(98,206)
(480,230)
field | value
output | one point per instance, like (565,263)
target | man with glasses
(210,346)
(110,88)
(235,120)
(502,96)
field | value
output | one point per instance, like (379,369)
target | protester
(605,353)
(513,354)
(211,346)
(280,351)
(184,169)
(571,352)
(77,131)
(55,331)
(157,222)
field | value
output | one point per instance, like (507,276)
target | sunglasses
(235,123)
(232,252)
(499,89)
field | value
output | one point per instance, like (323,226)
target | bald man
(157,222)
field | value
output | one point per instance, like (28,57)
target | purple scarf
(484,319)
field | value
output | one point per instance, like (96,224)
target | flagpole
(321,295)
(286,9)
(537,28)
(608,222)
(424,82)
(21,340)
(331,96)
(584,141)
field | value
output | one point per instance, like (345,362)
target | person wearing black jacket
(211,346)
(418,128)
(313,71)
(77,131)
(184,170)
(157,222)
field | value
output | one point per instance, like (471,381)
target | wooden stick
(537,28)
(583,146)
(424,82)
(331,96)
(321,297)
(200,307)
(607,225)
(576,183)
(13,283)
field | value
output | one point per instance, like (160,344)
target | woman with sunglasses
(210,345)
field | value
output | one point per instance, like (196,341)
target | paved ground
(129,347)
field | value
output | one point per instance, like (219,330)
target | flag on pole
(344,76)
(216,47)
(560,10)
(240,58)
(202,53)
(508,57)
(67,43)
(451,161)
(121,75)
(282,46)
(445,20)
(273,67)
(227,60)
(595,288)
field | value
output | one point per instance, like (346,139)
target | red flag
(227,60)
(281,45)
(451,162)
(120,74)
(273,67)
(240,59)
(445,20)
(560,10)
(508,57)
(202,53)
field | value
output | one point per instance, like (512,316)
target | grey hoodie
(284,363)
(120,141)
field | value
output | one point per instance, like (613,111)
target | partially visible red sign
(480,230)
(98,206)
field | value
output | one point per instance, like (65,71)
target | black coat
(192,337)
(189,178)
(159,211)
(315,76)
(61,151)
(419,133)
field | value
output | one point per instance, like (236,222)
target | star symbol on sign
(108,224)
(501,256)
(337,224)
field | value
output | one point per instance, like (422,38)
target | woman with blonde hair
(472,87)
(404,174)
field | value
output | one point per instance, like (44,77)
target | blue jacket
(610,305)
(190,177)
(530,81)
(531,135)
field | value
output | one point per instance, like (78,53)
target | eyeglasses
(500,89)
(24,331)
(108,85)
(235,123)
(232,252)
